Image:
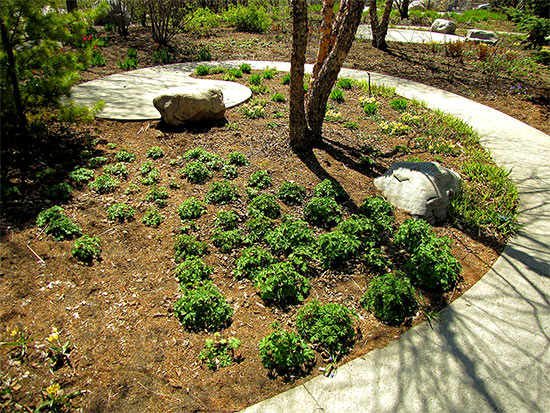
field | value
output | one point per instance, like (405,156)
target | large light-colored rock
(443,26)
(424,189)
(197,105)
(417,5)
(482,36)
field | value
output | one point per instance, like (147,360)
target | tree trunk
(404,9)
(297,116)
(327,37)
(349,17)
(72,5)
(379,30)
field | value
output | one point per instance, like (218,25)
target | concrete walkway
(364,32)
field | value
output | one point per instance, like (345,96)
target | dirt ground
(129,353)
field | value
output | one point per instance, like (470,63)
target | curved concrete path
(364,32)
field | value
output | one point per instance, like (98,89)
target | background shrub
(251,262)
(323,212)
(120,212)
(252,18)
(412,233)
(188,246)
(336,248)
(330,189)
(265,205)
(281,284)
(193,271)
(191,208)
(291,193)
(289,235)
(57,224)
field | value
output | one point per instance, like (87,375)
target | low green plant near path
(391,298)
(265,205)
(412,234)
(291,193)
(285,352)
(104,184)
(323,212)
(82,175)
(227,241)
(18,342)
(337,249)
(219,352)
(203,308)
(222,193)
(57,224)
(290,235)
(191,208)
(125,156)
(189,246)
(259,179)
(280,284)
(196,172)
(152,218)
(86,248)
(330,189)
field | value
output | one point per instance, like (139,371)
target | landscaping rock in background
(482,36)
(417,5)
(443,26)
(424,189)
(191,106)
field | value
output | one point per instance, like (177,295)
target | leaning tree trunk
(379,30)
(297,116)
(345,28)
(327,37)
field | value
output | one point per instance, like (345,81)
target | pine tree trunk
(297,116)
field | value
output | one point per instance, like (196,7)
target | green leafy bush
(278,97)
(259,179)
(59,192)
(227,240)
(245,68)
(330,189)
(125,156)
(152,218)
(413,233)
(86,248)
(399,104)
(227,220)
(337,95)
(285,352)
(158,195)
(304,258)
(281,284)
(255,80)
(188,246)
(146,168)
(191,208)
(291,193)
(57,224)
(375,259)
(391,299)
(203,54)
(344,83)
(195,153)
(203,308)
(97,161)
(286,79)
(82,175)
(219,352)
(155,152)
(324,212)
(269,73)
(193,271)
(290,235)
(257,227)
(103,184)
(118,169)
(151,177)
(120,212)
(230,171)
(265,205)
(336,248)
(380,212)
(360,227)
(196,172)
(202,70)
(221,193)
(251,262)
(251,18)
(431,265)
(330,326)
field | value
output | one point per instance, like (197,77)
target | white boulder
(424,189)
(443,26)
(417,5)
(194,105)
(482,36)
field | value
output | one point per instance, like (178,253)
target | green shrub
(196,172)
(290,235)
(237,158)
(125,156)
(152,218)
(291,193)
(86,248)
(375,259)
(146,168)
(281,284)
(103,184)
(193,271)
(251,262)
(399,104)
(221,193)
(412,233)
(97,161)
(330,326)
(227,220)
(203,308)
(151,177)
(120,212)
(330,189)
(235,73)
(57,224)
(284,352)
(82,175)
(432,266)
(245,68)
(191,208)
(219,352)
(227,241)
(155,152)
(251,18)
(253,110)
(380,212)
(391,299)
(259,179)
(344,83)
(278,97)
(195,153)
(158,195)
(118,169)
(370,107)
(213,161)
(323,212)
(336,248)
(230,171)
(269,73)
(255,80)
(360,227)
(203,54)
(59,192)
(286,79)
(188,246)
(257,227)
(337,95)
(202,70)
(265,205)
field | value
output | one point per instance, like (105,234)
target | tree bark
(297,116)
(404,9)
(379,30)
(327,37)
(72,5)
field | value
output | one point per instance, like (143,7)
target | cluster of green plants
(291,193)
(120,212)
(152,218)
(104,184)
(219,352)
(119,169)
(131,61)
(86,248)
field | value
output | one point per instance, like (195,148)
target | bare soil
(129,352)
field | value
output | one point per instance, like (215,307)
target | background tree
(307,113)
(380,28)
(403,7)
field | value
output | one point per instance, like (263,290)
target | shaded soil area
(129,352)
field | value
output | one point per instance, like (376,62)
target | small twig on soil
(40,260)
(109,230)
(360,289)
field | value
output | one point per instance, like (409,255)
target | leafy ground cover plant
(323,212)
(227,220)
(202,70)
(189,246)
(191,208)
(57,224)
(259,179)
(291,193)
(196,172)
(257,227)
(237,158)
(360,227)
(285,352)
(125,156)
(120,212)
(290,235)
(193,271)
(152,218)
(329,326)
(158,195)
(399,104)
(59,350)
(344,83)
(337,248)
(413,233)
(59,192)
(86,248)
(265,205)
(245,68)
(251,262)
(103,184)
(280,284)
(278,97)
(391,299)
(337,95)
(203,308)
(82,175)
(230,171)
(227,240)
(330,189)
(18,341)
(221,193)
(155,152)
(380,212)
(118,169)
(219,352)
